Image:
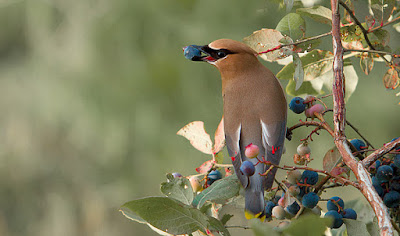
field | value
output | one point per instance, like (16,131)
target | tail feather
(254,204)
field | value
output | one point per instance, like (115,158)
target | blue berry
(378,188)
(176,175)
(337,219)
(396,160)
(309,177)
(310,200)
(358,144)
(349,214)
(268,208)
(377,164)
(384,173)
(331,204)
(247,168)
(392,199)
(191,51)
(213,176)
(293,209)
(398,148)
(297,105)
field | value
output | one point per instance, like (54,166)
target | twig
(384,24)
(358,132)
(339,119)
(237,226)
(395,226)
(296,43)
(325,96)
(364,31)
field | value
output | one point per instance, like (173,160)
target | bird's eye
(221,54)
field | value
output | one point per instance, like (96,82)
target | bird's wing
(273,137)
(232,143)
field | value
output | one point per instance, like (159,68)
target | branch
(380,152)
(339,119)
(296,43)
(322,125)
(364,31)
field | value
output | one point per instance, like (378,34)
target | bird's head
(225,54)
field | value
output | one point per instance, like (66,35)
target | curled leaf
(391,78)
(197,136)
(205,167)
(366,63)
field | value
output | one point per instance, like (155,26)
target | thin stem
(237,227)
(358,132)
(296,43)
(370,51)
(364,31)
(384,24)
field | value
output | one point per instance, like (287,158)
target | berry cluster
(299,192)
(335,206)
(385,174)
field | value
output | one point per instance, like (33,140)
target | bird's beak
(197,53)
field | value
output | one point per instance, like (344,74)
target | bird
(254,112)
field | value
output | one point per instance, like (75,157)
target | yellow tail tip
(250,215)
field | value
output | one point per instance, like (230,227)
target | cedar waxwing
(254,112)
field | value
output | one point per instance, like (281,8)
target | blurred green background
(92,93)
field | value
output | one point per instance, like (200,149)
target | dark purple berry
(396,160)
(358,144)
(191,52)
(349,214)
(215,175)
(332,204)
(247,168)
(310,200)
(384,173)
(398,148)
(297,105)
(293,209)
(392,199)
(268,208)
(309,177)
(337,219)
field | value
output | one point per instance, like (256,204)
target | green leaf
(318,13)
(225,218)
(307,46)
(373,227)
(216,225)
(262,229)
(166,214)
(363,209)
(380,39)
(355,227)
(220,190)
(292,25)
(366,63)
(305,89)
(315,63)
(307,225)
(267,39)
(352,37)
(350,76)
(331,159)
(178,188)
(382,9)
(298,71)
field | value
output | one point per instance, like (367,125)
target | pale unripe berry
(294,190)
(195,181)
(317,108)
(251,151)
(303,149)
(278,212)
(293,176)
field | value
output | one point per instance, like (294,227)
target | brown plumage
(254,112)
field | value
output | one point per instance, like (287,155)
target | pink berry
(251,151)
(317,108)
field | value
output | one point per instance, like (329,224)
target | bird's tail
(254,204)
